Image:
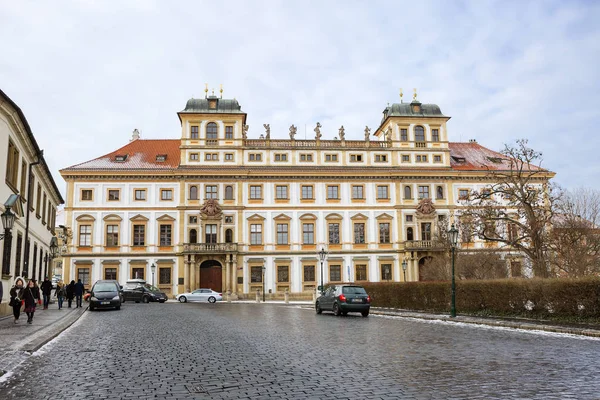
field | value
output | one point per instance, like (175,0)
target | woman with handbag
(16,294)
(31,296)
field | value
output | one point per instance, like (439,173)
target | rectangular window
(380,158)
(439,192)
(426,231)
(229,132)
(23,178)
(255,234)
(384,232)
(335,273)
(112,235)
(140,194)
(383,192)
(38,201)
(165,235)
(386,272)
(166,194)
(283,273)
(256,192)
(110,273)
(137,273)
(358,192)
(334,233)
(308,233)
(87,195)
(422,158)
(85,235)
(355,157)
(84,275)
(307,193)
(333,192)
(164,276)
(423,192)
(331,157)
(309,273)
(194,134)
(194,156)
(405,158)
(359,233)
(193,219)
(281,192)
(211,157)
(114,194)
(280,157)
(228,156)
(44,209)
(139,235)
(256,274)
(435,135)
(282,234)
(306,157)
(229,219)
(463,194)
(361,272)
(210,192)
(255,157)
(12,165)
(404,135)
(437,159)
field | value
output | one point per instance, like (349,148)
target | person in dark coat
(70,293)
(31,295)
(79,292)
(60,293)
(16,296)
(46,292)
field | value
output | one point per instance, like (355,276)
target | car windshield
(353,290)
(151,288)
(105,287)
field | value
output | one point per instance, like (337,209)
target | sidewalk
(18,341)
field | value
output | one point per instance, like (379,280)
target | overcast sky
(86,73)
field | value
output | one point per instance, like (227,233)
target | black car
(105,294)
(143,292)
(342,299)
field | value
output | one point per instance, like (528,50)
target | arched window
(193,192)
(409,234)
(228,236)
(211,130)
(193,236)
(228,192)
(407,192)
(419,134)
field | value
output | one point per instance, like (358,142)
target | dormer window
(161,158)
(460,160)
(121,158)
(212,104)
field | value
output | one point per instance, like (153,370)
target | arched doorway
(211,275)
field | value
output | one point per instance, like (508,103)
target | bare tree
(575,235)
(472,264)
(516,207)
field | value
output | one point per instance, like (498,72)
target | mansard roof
(221,106)
(405,110)
(472,156)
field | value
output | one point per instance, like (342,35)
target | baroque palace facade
(217,209)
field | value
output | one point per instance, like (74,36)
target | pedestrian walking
(16,298)
(31,296)
(60,293)
(46,292)
(79,292)
(70,290)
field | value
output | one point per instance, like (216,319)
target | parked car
(137,291)
(200,295)
(105,294)
(342,299)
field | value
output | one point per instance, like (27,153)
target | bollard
(286,296)
(257,296)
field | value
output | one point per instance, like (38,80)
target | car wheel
(336,309)
(145,299)
(182,299)
(211,299)
(117,308)
(318,308)
(365,313)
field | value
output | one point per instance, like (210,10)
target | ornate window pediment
(165,217)
(112,217)
(333,216)
(282,217)
(138,217)
(256,217)
(384,216)
(359,216)
(85,218)
(308,216)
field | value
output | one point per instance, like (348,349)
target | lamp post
(404,265)
(53,253)
(322,257)
(8,221)
(263,281)
(453,235)
(153,269)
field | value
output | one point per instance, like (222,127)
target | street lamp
(322,257)
(453,235)
(404,265)
(8,221)
(153,269)
(263,281)
(53,253)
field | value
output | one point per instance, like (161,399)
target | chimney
(472,140)
(135,135)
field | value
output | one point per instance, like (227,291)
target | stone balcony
(424,245)
(209,248)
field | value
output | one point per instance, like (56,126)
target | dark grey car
(342,299)
(105,294)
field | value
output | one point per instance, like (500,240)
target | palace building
(215,208)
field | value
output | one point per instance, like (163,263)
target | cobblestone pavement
(202,351)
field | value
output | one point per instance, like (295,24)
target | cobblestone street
(200,351)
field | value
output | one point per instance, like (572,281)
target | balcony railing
(210,247)
(424,245)
(278,143)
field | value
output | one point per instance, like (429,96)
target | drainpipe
(25,270)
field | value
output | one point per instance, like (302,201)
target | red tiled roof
(141,154)
(472,156)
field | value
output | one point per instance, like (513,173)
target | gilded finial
(415,94)
(221,90)
(401,94)
(206,90)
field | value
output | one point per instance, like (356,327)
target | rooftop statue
(292,132)
(245,131)
(367,133)
(318,131)
(268,131)
(342,133)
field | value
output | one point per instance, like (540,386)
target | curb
(52,331)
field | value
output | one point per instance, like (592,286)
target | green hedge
(566,299)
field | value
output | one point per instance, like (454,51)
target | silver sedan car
(200,295)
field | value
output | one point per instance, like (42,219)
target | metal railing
(210,247)
(424,245)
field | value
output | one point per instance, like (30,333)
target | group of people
(29,296)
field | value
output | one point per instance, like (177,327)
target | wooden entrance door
(211,277)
